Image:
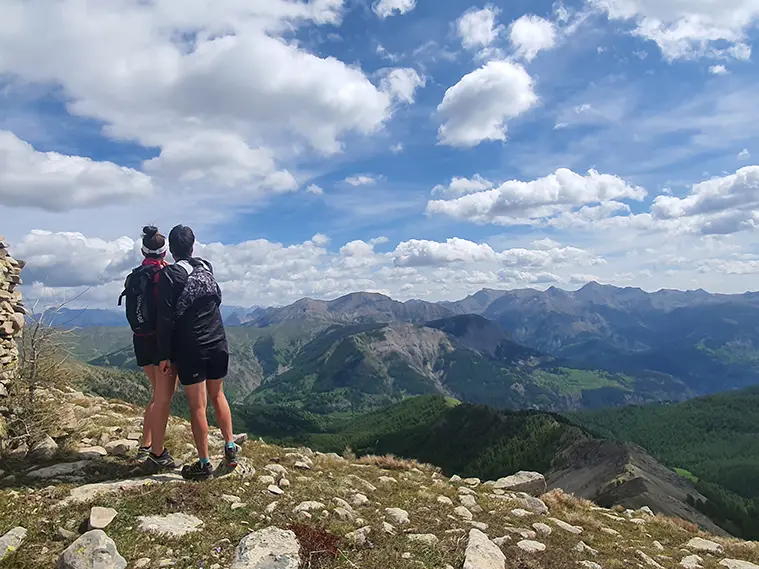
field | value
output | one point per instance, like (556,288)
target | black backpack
(140,290)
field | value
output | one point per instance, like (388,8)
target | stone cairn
(11,316)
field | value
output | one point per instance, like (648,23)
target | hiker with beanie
(141,292)
(193,344)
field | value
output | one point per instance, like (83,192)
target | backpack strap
(186,265)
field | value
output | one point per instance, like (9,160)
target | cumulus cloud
(688,30)
(529,203)
(57,182)
(718,70)
(263,272)
(723,205)
(530,34)
(479,106)
(386,8)
(477,27)
(314,189)
(214,86)
(401,83)
(461,186)
(744,154)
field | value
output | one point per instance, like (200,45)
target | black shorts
(146,350)
(198,366)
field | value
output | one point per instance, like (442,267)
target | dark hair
(152,240)
(181,242)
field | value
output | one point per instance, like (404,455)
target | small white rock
(531,546)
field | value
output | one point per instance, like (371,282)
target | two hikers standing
(173,310)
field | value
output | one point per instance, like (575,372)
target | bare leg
(220,408)
(147,432)
(164,391)
(196,396)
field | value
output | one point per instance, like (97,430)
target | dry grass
(391,462)
(559,498)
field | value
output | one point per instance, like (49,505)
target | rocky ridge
(11,315)
(289,508)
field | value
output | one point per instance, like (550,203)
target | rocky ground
(74,502)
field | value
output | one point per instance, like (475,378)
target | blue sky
(421,149)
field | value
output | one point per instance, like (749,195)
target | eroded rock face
(269,548)
(481,553)
(93,550)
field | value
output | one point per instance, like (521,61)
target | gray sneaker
(154,464)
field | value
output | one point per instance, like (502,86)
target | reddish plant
(317,546)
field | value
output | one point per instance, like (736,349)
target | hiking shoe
(154,464)
(142,453)
(230,456)
(197,471)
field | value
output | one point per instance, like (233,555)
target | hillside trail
(76,502)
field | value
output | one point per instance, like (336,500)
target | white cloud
(57,182)
(744,154)
(689,29)
(529,203)
(477,28)
(361,180)
(718,70)
(723,205)
(480,105)
(262,272)
(385,8)
(397,148)
(314,189)
(401,83)
(462,186)
(181,75)
(530,35)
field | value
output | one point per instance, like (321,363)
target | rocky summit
(80,508)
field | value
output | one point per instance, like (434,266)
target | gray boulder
(93,550)
(270,548)
(532,483)
(44,449)
(481,553)
(121,447)
(11,541)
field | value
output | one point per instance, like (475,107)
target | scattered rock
(134,436)
(270,548)
(388,480)
(658,546)
(89,492)
(359,536)
(589,565)
(576,530)
(121,447)
(166,563)
(64,534)
(92,550)
(704,545)
(90,453)
(142,563)
(467,491)
(62,469)
(271,507)
(308,507)
(691,562)
(100,518)
(583,547)
(648,560)
(455,478)
(638,521)
(531,546)
(522,532)
(534,505)
(610,531)
(276,469)
(468,501)
(736,564)
(230,499)
(284,483)
(471,481)
(274,489)
(520,513)
(645,510)
(542,529)
(11,541)
(301,465)
(44,449)
(397,515)
(359,500)
(175,525)
(406,555)
(445,500)
(532,483)
(481,553)
(463,513)
(343,514)
(388,528)
(427,539)
(501,541)
(479,525)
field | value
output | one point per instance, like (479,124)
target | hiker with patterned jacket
(192,344)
